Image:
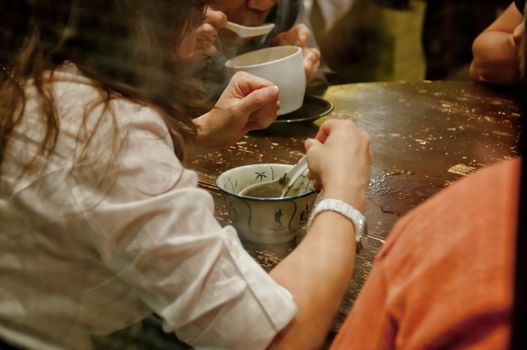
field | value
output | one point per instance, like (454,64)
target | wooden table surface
(424,135)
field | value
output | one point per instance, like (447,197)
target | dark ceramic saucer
(314,107)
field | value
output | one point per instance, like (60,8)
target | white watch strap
(343,208)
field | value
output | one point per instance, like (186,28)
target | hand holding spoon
(249,32)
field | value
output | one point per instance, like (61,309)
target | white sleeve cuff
(252,318)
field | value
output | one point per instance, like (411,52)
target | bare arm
(495,50)
(319,270)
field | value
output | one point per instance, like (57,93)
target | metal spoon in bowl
(249,32)
(280,186)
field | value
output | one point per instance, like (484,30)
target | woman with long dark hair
(100,222)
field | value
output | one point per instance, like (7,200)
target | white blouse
(91,243)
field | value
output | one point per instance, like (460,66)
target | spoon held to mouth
(249,32)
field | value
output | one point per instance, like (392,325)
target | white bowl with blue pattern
(266,220)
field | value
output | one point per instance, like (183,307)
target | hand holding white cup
(281,65)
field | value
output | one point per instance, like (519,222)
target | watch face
(360,221)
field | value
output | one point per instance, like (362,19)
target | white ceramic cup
(282,65)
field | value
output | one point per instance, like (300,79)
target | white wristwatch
(343,208)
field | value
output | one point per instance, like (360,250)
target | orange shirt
(444,279)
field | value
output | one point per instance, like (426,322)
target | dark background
(368,43)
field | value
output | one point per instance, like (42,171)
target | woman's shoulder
(80,98)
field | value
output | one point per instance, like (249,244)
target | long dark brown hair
(127,47)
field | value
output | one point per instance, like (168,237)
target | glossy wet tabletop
(424,136)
